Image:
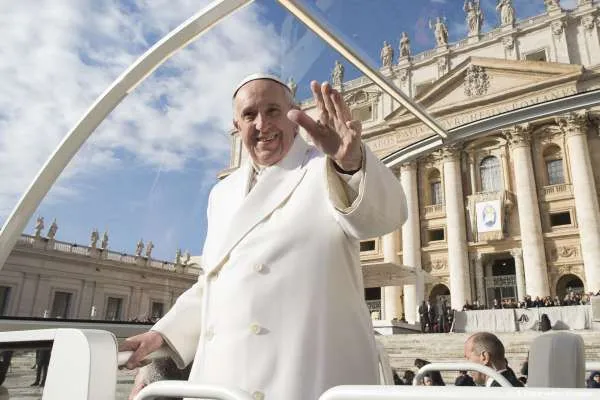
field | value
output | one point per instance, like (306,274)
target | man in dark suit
(431,315)
(464,379)
(423,316)
(486,349)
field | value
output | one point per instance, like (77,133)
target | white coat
(280,311)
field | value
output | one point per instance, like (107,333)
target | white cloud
(58,56)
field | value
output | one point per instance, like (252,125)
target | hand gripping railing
(461,366)
(190,390)
(123,356)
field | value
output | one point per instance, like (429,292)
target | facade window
(157,309)
(61,305)
(4,298)
(560,219)
(554,166)
(539,55)
(363,113)
(435,188)
(367,245)
(113,309)
(491,178)
(436,235)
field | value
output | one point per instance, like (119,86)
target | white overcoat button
(259,267)
(258,395)
(209,334)
(255,328)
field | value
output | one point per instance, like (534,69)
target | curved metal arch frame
(140,70)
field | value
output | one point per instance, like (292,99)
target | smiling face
(260,117)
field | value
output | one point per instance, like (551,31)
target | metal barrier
(461,366)
(454,393)
(190,390)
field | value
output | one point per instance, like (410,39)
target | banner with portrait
(489,216)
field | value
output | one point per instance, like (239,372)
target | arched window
(554,165)
(435,187)
(489,171)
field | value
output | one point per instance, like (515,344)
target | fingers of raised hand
(327,94)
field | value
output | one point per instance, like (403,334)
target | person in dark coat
(423,316)
(436,376)
(431,315)
(486,349)
(593,381)
(464,379)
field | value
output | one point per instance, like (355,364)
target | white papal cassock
(280,310)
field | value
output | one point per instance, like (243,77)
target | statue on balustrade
(186,257)
(552,5)
(94,238)
(441,31)
(474,17)
(293,87)
(139,248)
(387,55)
(337,75)
(149,248)
(104,243)
(404,45)
(52,231)
(507,12)
(39,226)
(178,257)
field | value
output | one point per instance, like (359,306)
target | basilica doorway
(568,284)
(439,293)
(500,280)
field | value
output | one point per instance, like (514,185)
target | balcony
(436,210)
(556,192)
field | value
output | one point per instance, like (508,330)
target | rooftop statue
(52,230)
(474,17)
(139,248)
(404,45)
(337,75)
(94,238)
(440,30)
(387,55)
(39,225)
(552,5)
(507,12)
(104,243)
(149,248)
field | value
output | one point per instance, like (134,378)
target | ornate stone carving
(451,153)
(404,75)
(404,45)
(575,123)
(438,265)
(408,166)
(474,17)
(562,252)
(507,12)
(557,27)
(440,30)
(387,55)
(519,135)
(589,22)
(508,42)
(477,81)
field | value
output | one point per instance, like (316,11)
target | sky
(146,172)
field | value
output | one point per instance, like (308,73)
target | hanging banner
(488,216)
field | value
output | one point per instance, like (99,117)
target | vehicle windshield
(487,111)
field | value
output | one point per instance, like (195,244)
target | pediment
(479,79)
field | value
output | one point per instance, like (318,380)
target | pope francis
(280,311)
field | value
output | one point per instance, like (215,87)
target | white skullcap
(256,76)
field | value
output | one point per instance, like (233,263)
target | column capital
(451,153)
(516,253)
(408,166)
(575,123)
(519,135)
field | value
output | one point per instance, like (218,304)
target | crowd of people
(435,318)
(570,299)
(486,349)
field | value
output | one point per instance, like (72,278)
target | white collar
(490,380)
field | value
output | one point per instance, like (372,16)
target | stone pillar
(519,273)
(505,173)
(411,242)
(532,241)
(589,30)
(560,45)
(86,299)
(458,261)
(135,303)
(479,278)
(27,296)
(392,295)
(576,126)
(472,175)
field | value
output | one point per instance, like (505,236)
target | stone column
(532,241)
(472,174)
(411,242)
(505,173)
(27,296)
(589,30)
(392,295)
(479,278)
(86,299)
(560,45)
(458,261)
(576,126)
(519,273)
